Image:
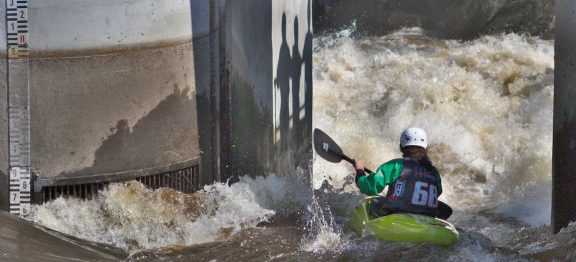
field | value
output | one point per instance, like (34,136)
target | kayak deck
(404,227)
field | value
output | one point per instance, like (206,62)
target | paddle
(329,150)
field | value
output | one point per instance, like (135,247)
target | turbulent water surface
(486,105)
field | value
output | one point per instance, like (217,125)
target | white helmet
(413,136)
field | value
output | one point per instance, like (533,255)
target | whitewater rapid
(486,105)
(132,217)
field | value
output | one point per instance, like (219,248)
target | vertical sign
(18,102)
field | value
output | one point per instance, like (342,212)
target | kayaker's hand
(359,164)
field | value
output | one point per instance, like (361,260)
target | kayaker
(413,182)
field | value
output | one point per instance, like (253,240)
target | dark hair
(418,154)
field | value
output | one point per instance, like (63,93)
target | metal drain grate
(84,191)
(185,179)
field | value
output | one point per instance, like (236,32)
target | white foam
(491,141)
(132,217)
(486,105)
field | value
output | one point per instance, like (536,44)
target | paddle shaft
(353,162)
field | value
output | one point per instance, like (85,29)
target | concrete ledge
(113,177)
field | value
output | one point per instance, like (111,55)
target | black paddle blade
(326,147)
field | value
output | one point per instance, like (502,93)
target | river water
(486,105)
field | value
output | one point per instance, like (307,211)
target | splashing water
(132,217)
(485,104)
(323,234)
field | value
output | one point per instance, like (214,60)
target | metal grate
(186,180)
(84,191)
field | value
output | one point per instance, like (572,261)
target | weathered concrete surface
(62,27)
(292,60)
(206,28)
(111,113)
(443,18)
(265,89)
(564,144)
(111,88)
(247,137)
(202,74)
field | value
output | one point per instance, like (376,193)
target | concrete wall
(266,89)
(443,18)
(82,26)
(92,114)
(247,91)
(206,16)
(564,144)
(112,89)
(115,112)
(240,99)
(292,60)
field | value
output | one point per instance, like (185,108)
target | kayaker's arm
(370,185)
(366,184)
(374,183)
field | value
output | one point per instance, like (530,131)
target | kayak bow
(403,226)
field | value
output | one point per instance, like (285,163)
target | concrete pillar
(111,91)
(206,30)
(266,87)
(564,145)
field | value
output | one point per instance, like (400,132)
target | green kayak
(403,227)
